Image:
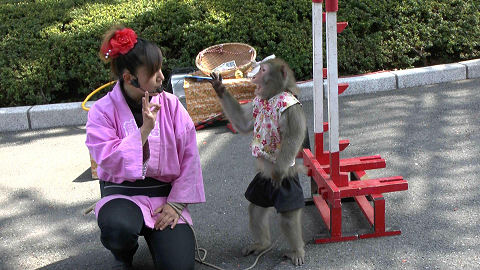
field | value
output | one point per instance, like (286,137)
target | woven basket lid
(214,56)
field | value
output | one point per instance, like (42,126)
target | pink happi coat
(115,143)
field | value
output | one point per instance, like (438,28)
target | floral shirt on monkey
(266,133)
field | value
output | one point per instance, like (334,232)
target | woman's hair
(143,53)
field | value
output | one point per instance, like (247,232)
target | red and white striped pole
(331,8)
(317,28)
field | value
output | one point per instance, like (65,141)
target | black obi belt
(147,187)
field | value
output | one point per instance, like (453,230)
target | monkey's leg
(260,228)
(290,223)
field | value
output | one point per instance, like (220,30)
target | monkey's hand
(217,84)
(277,176)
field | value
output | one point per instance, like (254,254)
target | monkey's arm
(292,129)
(240,116)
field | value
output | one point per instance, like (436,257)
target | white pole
(332,81)
(317,67)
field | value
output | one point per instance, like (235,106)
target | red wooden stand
(333,187)
(330,174)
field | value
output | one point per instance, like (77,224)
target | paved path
(430,135)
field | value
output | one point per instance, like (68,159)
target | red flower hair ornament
(121,43)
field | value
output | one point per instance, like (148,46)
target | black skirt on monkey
(288,197)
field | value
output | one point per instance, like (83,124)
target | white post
(317,67)
(332,81)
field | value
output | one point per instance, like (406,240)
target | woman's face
(150,83)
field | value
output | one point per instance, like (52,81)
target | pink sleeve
(118,159)
(188,187)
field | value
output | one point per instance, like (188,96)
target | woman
(144,143)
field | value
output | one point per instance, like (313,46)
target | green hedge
(48,48)
(386,34)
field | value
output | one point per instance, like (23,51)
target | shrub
(389,35)
(50,55)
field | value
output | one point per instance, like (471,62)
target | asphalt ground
(430,135)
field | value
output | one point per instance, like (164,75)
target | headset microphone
(135,83)
(159,89)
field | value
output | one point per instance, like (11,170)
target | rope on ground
(201,259)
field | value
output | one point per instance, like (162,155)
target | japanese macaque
(278,123)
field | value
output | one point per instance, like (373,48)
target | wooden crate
(93,168)
(202,101)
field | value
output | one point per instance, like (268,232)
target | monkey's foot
(255,249)
(297,256)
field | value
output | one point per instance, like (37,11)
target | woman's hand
(149,114)
(149,117)
(167,215)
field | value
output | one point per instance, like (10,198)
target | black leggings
(121,222)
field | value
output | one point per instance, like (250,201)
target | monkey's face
(260,80)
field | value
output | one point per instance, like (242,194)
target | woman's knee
(118,237)
(119,231)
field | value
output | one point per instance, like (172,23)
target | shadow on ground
(430,136)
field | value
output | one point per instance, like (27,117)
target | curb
(398,79)
(72,114)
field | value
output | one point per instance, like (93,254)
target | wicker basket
(214,56)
